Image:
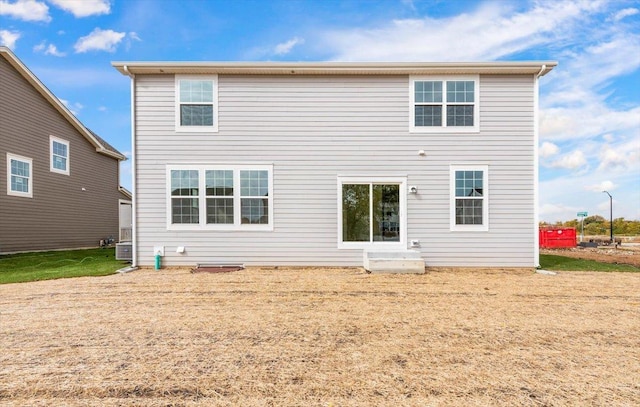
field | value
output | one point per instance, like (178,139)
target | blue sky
(589,104)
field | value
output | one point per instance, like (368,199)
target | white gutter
(134,195)
(544,68)
(536,169)
(130,75)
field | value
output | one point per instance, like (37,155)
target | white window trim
(485,197)
(23,159)
(444,129)
(51,167)
(196,129)
(402,181)
(202,225)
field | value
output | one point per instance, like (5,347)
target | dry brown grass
(322,337)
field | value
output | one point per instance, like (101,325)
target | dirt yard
(322,337)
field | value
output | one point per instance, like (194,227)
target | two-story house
(59,181)
(312,163)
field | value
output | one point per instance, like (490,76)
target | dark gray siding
(60,214)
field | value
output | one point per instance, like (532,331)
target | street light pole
(610,214)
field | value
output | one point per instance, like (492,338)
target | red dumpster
(552,237)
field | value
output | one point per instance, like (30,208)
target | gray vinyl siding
(59,215)
(313,129)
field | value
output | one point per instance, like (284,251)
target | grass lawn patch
(22,267)
(562,263)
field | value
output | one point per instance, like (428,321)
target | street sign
(583,214)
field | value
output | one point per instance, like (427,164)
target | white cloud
(73,107)
(602,186)
(623,157)
(625,13)
(134,36)
(570,161)
(9,38)
(52,50)
(99,40)
(588,120)
(285,47)
(548,149)
(83,8)
(553,212)
(488,32)
(26,10)
(131,37)
(48,49)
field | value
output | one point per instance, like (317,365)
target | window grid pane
(219,182)
(59,149)
(20,168)
(469,183)
(254,183)
(469,211)
(254,211)
(19,184)
(196,91)
(196,115)
(59,163)
(460,92)
(459,115)
(220,210)
(428,92)
(184,182)
(185,210)
(428,115)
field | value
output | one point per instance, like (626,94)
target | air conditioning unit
(124,251)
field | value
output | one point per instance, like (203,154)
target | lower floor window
(371,211)
(19,176)
(220,197)
(469,192)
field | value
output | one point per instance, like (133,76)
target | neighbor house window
(371,211)
(196,103)
(59,155)
(19,176)
(444,104)
(220,197)
(469,198)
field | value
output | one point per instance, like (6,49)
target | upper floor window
(197,103)
(19,176)
(469,198)
(220,197)
(59,155)
(448,104)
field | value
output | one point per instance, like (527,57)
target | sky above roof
(589,104)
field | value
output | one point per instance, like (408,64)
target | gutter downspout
(544,68)
(536,169)
(134,195)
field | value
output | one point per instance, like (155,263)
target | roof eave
(335,68)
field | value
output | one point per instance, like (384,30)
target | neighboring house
(125,215)
(311,163)
(58,180)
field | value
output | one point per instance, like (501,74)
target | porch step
(393,261)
